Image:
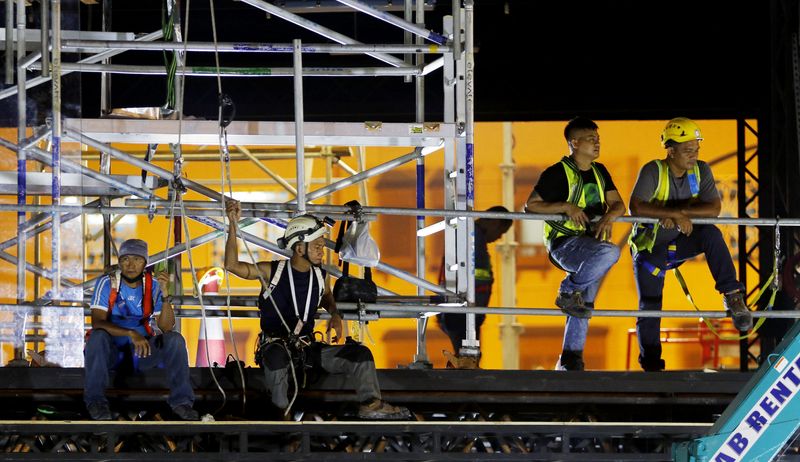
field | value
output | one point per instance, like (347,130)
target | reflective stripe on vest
(147,302)
(482,274)
(643,235)
(555,229)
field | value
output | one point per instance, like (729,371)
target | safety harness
(293,339)
(643,237)
(147,302)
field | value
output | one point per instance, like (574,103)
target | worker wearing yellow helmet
(676,190)
(291,293)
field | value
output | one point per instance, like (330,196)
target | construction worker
(675,190)
(291,292)
(487,230)
(124,306)
(581,189)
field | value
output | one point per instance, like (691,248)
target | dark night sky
(536,60)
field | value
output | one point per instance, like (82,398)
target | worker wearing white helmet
(291,293)
(676,190)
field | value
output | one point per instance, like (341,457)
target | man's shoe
(572,304)
(381,410)
(570,361)
(99,410)
(460,362)
(653,365)
(185,412)
(742,318)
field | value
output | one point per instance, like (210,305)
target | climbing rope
(225,117)
(178,189)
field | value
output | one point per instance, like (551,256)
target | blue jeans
(705,239)
(167,351)
(586,260)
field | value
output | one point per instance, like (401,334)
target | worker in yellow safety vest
(582,189)
(675,190)
(487,230)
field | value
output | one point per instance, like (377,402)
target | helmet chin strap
(305,255)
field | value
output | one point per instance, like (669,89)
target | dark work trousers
(705,239)
(352,359)
(167,350)
(455,325)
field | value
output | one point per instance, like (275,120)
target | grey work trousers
(353,359)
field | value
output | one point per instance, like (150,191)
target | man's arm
(166,318)
(536,204)
(680,216)
(100,321)
(232,264)
(616,208)
(696,210)
(329,304)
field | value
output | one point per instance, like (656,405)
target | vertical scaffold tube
(9,43)
(469,86)
(55,9)
(45,37)
(298,125)
(22,123)
(421,356)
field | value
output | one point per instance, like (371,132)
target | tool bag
(349,288)
(352,289)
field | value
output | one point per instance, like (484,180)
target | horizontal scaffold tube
(253,207)
(415,311)
(211,71)
(88,46)
(11,91)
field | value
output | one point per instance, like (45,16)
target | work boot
(742,318)
(570,361)
(460,362)
(572,304)
(652,365)
(185,412)
(99,410)
(381,410)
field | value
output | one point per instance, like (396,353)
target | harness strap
(277,270)
(672,264)
(147,298)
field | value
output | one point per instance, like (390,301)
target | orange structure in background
(626,146)
(718,349)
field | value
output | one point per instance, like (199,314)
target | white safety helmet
(302,228)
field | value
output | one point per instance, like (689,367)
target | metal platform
(72,184)
(206,132)
(460,415)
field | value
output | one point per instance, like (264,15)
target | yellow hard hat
(680,130)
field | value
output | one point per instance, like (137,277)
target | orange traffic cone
(210,341)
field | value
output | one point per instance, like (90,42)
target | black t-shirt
(282,294)
(554,187)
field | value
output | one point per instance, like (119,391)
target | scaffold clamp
(227,110)
(151,210)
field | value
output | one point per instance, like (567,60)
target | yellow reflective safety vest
(556,229)
(643,236)
(483,274)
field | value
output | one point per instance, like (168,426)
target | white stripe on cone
(213,328)
(215,343)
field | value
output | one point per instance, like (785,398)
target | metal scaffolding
(60,312)
(454,135)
